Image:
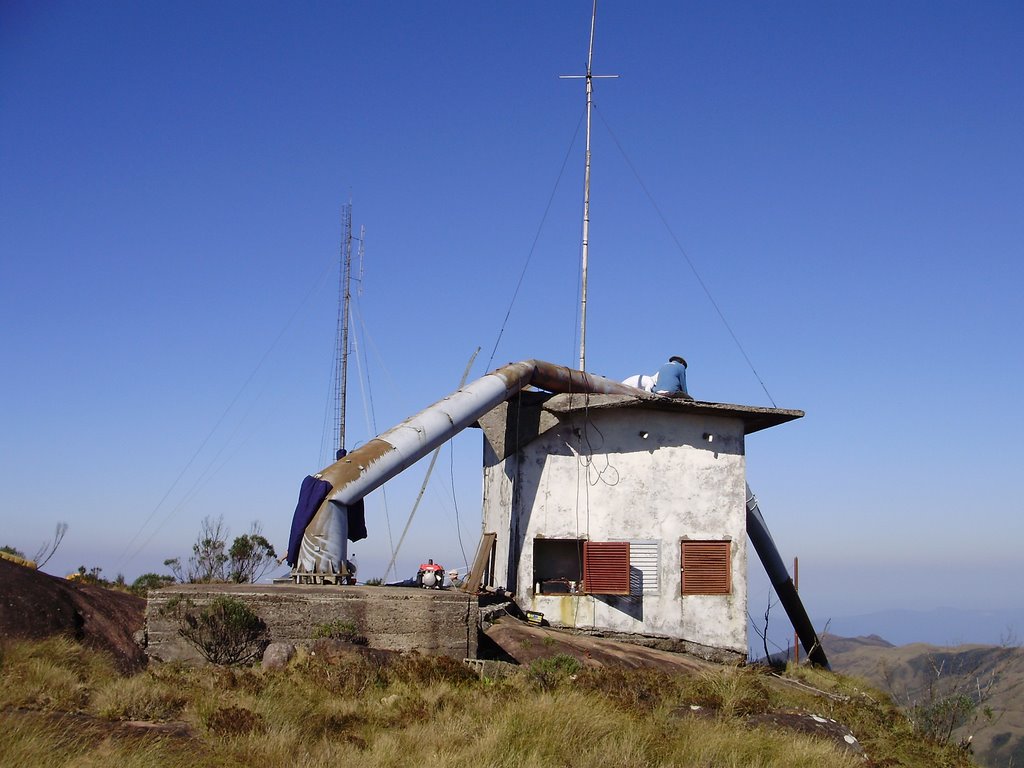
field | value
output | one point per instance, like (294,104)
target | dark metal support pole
(765,547)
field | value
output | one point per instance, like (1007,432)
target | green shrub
(550,672)
(936,719)
(339,629)
(226,631)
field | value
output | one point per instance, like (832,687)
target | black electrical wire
(536,238)
(685,255)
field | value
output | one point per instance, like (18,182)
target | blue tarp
(311,496)
(356,522)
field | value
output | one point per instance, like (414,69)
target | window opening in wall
(557,566)
(578,566)
(706,567)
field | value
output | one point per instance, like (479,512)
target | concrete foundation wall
(439,622)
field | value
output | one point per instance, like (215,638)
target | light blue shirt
(671,378)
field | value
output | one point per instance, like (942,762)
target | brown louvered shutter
(606,567)
(706,568)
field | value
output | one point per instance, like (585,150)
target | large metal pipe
(765,547)
(324,543)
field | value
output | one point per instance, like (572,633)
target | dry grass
(63,705)
(55,674)
(139,698)
(29,739)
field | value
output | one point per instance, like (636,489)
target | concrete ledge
(437,622)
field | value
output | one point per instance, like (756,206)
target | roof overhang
(754,418)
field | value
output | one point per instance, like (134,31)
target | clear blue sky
(847,179)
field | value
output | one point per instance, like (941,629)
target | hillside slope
(35,605)
(920,674)
(339,704)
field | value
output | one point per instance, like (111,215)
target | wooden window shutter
(706,568)
(606,567)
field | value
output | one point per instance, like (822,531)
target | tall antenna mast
(589,76)
(346,298)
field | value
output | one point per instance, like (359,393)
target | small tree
(208,561)
(48,548)
(89,576)
(45,552)
(248,558)
(148,581)
(251,556)
(174,563)
(209,557)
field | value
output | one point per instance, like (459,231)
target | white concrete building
(624,516)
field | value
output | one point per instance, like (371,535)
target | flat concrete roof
(754,418)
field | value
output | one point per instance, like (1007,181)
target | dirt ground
(34,604)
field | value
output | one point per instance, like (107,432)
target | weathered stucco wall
(628,475)
(498,492)
(441,622)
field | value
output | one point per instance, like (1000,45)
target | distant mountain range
(939,626)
